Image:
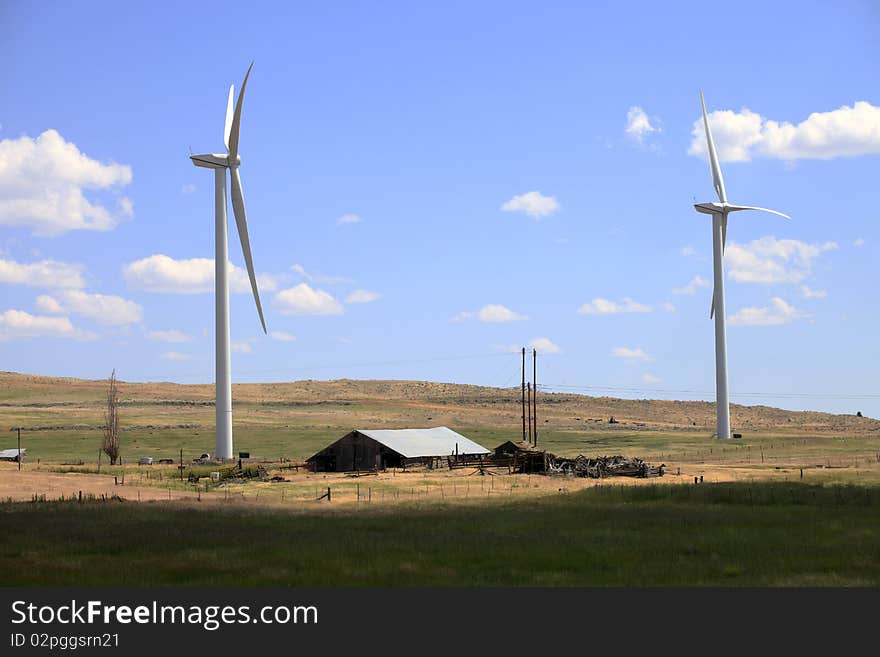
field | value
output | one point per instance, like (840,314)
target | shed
(11,454)
(522,456)
(377,449)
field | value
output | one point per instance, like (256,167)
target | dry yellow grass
(347,402)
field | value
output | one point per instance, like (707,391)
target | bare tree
(111,422)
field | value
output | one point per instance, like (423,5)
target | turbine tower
(220,163)
(719,212)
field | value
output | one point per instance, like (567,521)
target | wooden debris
(603,466)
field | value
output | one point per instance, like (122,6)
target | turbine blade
(241,223)
(236,121)
(228,125)
(735,208)
(717,178)
(723,247)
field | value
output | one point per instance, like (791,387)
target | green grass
(274,441)
(737,534)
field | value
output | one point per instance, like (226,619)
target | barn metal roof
(7,454)
(414,443)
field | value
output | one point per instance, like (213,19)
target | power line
(559,387)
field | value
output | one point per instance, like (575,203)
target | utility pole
(529,394)
(19,448)
(535,395)
(524,393)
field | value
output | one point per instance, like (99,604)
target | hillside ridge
(491,404)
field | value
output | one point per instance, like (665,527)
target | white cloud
(282,336)
(343,340)
(48,304)
(126,207)
(631,355)
(533,204)
(545,346)
(105,309)
(687,250)
(45,273)
(20,324)
(320,278)
(497,313)
(779,312)
(695,283)
(161,273)
(668,307)
(650,378)
(362,296)
(349,219)
(175,355)
(813,294)
(305,300)
(771,260)
(492,312)
(734,135)
(601,306)
(844,132)
(171,335)
(638,125)
(859,242)
(243,346)
(42,185)
(188,189)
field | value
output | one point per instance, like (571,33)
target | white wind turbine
(719,212)
(220,163)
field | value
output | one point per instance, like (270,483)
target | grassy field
(795,502)
(767,534)
(62,419)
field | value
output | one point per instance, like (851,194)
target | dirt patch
(24,485)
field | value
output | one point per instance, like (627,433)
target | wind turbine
(220,163)
(719,212)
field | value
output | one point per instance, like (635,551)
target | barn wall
(355,451)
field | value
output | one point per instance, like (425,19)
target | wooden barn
(377,449)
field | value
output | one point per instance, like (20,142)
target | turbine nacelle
(724,208)
(708,208)
(214,160)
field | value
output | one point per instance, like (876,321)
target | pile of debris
(233,474)
(603,466)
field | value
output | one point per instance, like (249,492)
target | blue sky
(430,187)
